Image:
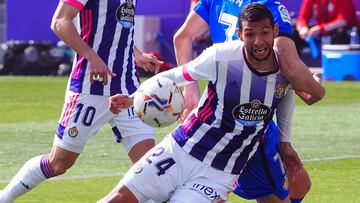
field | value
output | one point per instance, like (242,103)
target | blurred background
(29,47)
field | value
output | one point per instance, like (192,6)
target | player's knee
(301,185)
(137,146)
(305,180)
(122,194)
(307,184)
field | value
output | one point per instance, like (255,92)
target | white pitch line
(332,158)
(107,175)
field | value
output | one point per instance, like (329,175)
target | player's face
(258,38)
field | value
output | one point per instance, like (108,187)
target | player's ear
(276,30)
(239,33)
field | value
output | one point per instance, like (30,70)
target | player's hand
(148,62)
(191,97)
(314,31)
(118,102)
(98,70)
(303,32)
(290,158)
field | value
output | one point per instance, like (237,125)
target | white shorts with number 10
(168,172)
(83,115)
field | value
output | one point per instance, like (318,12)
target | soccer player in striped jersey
(203,157)
(263,178)
(103,66)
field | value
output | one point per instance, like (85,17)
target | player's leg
(120,194)
(183,195)
(206,185)
(299,186)
(155,176)
(38,169)
(140,148)
(137,137)
(69,142)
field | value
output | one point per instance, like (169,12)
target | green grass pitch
(326,135)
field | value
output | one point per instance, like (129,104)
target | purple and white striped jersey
(108,27)
(235,109)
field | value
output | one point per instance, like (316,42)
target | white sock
(33,172)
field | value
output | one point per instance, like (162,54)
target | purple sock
(45,166)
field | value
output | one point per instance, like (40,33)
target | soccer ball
(158,102)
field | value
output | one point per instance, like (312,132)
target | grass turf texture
(31,106)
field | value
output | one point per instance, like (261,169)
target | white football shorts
(168,172)
(83,115)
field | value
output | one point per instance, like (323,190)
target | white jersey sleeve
(201,68)
(284,116)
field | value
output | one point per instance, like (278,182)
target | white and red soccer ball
(159,102)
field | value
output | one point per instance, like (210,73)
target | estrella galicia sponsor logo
(250,114)
(280,90)
(125,14)
(207,191)
(73,132)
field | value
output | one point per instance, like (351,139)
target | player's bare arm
(62,24)
(297,72)
(147,61)
(307,98)
(193,27)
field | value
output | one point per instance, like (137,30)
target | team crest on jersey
(280,90)
(284,13)
(125,14)
(73,132)
(250,114)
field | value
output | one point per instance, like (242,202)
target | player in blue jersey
(103,66)
(219,16)
(200,160)
(266,181)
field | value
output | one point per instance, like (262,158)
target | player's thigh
(129,129)
(156,175)
(81,117)
(206,185)
(184,195)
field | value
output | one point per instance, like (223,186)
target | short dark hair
(255,12)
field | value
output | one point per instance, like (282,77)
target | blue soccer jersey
(108,28)
(222,17)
